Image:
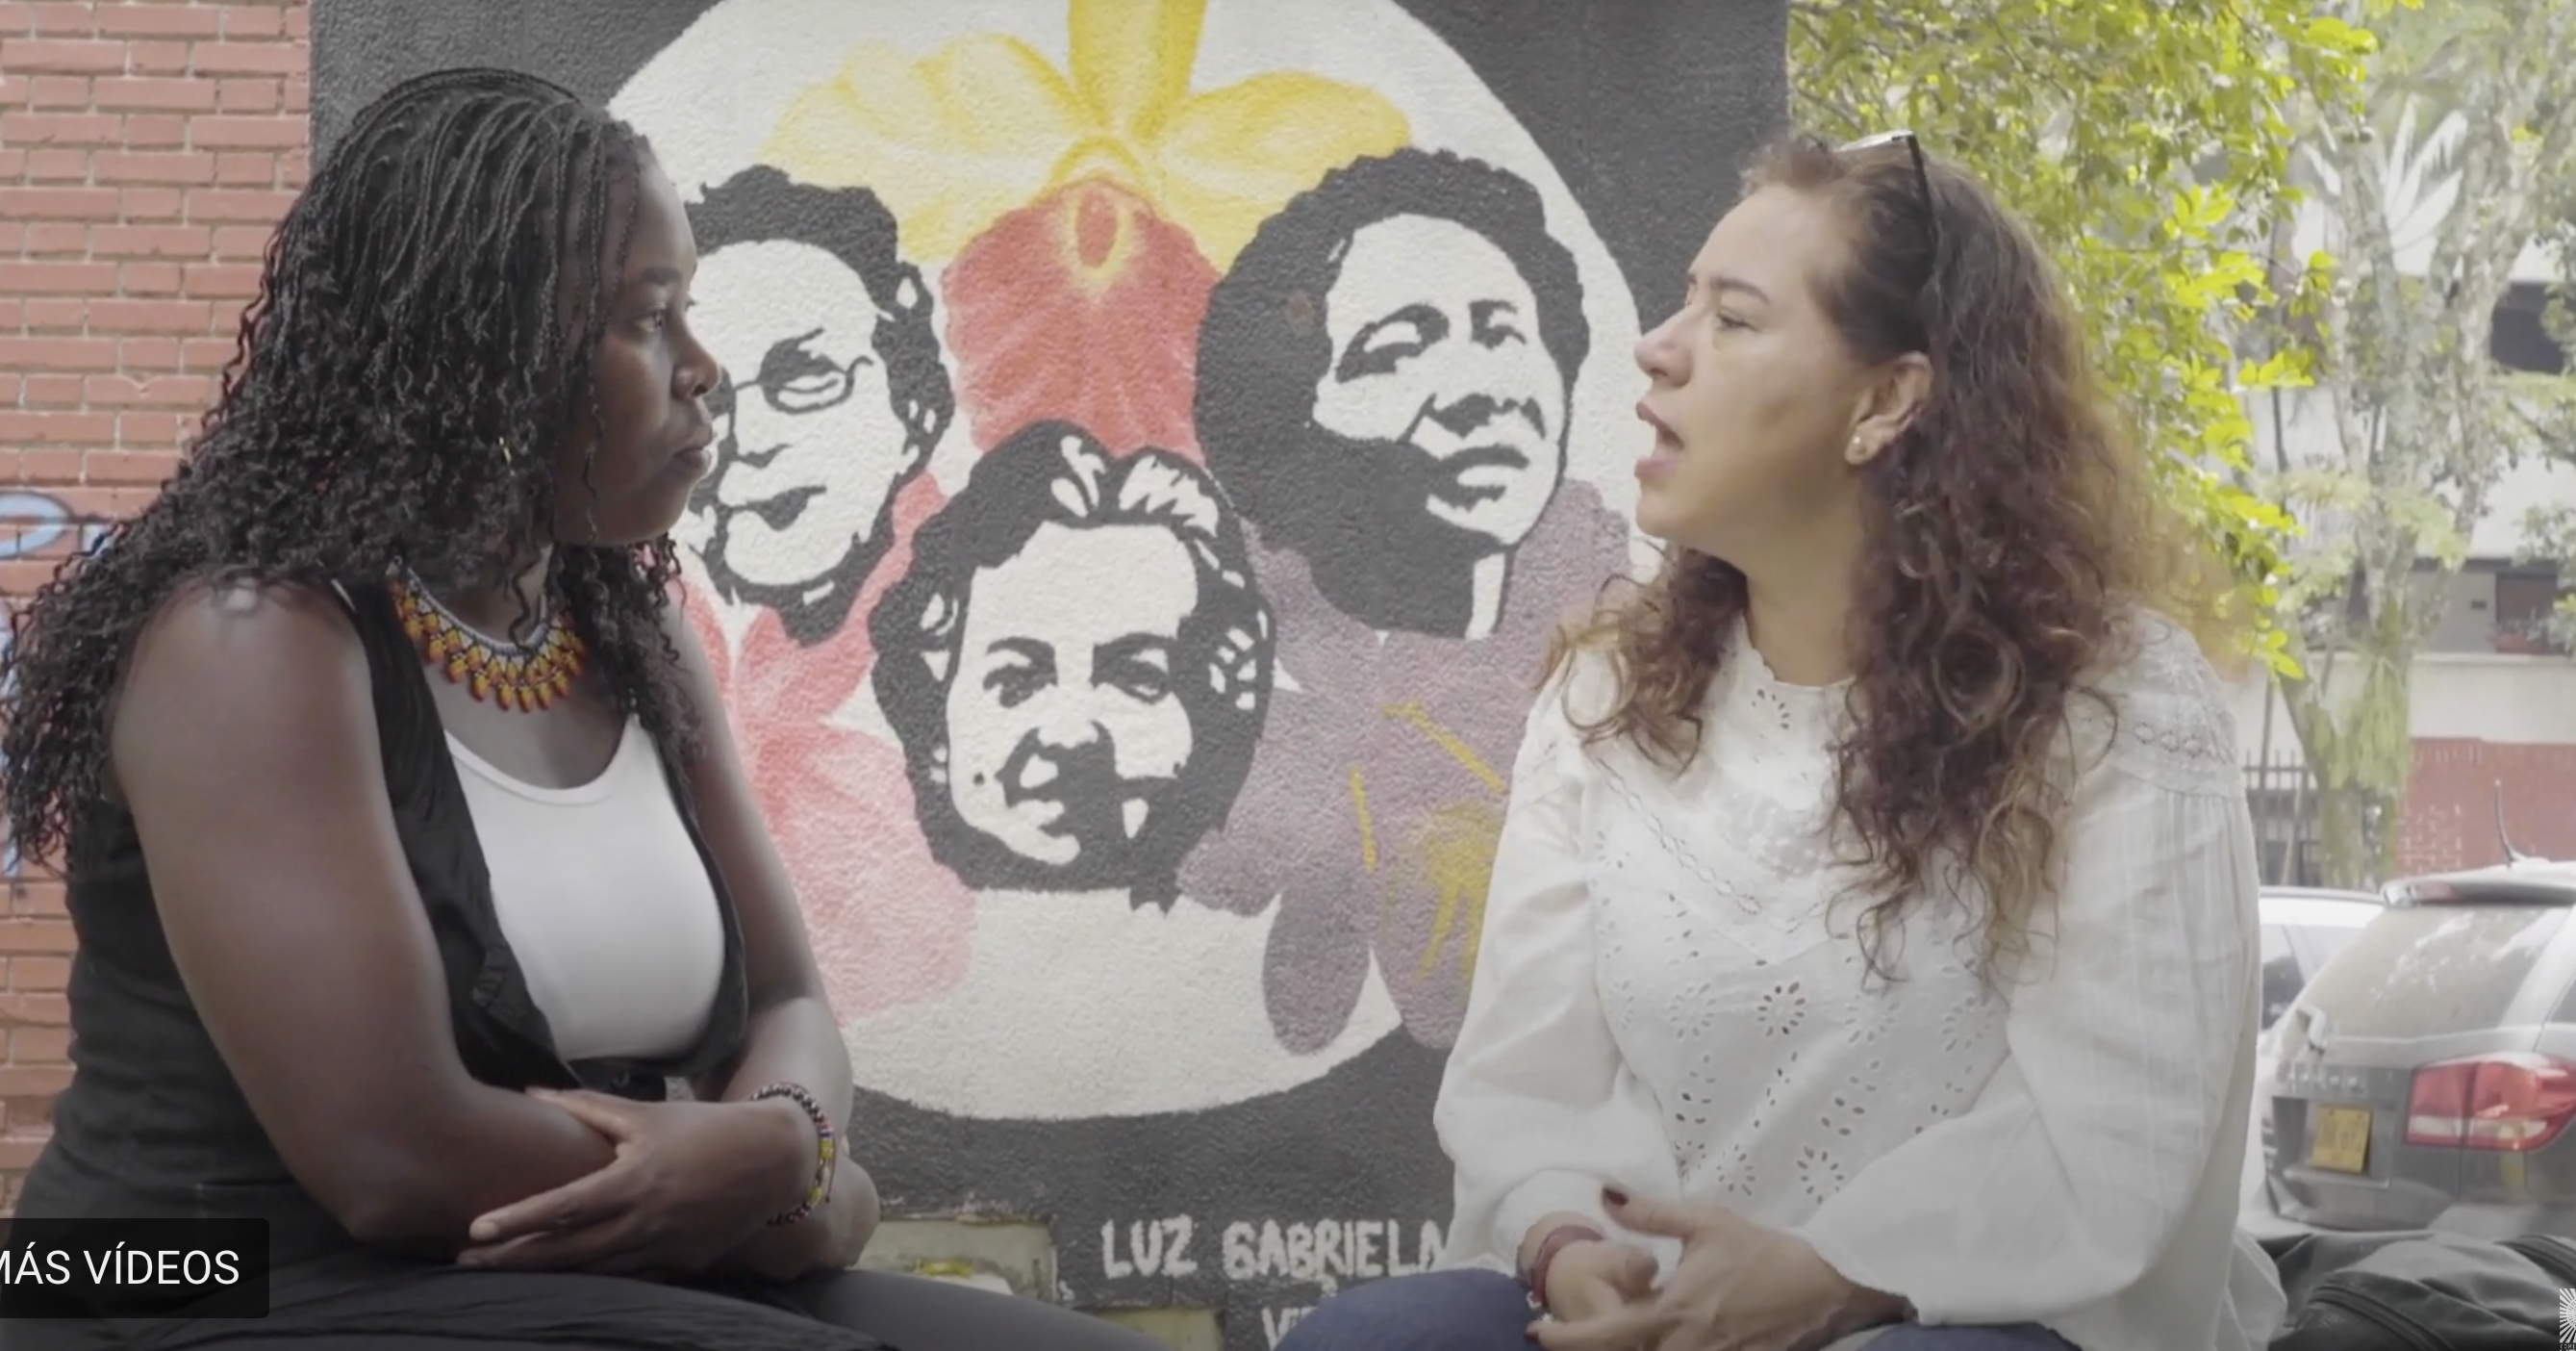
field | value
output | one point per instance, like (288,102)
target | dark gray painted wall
(1646,107)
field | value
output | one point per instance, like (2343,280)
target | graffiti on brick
(8,640)
(33,525)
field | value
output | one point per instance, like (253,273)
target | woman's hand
(1597,1277)
(691,1181)
(1738,1287)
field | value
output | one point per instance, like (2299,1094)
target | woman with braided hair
(407,852)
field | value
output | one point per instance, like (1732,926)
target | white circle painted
(1085,1005)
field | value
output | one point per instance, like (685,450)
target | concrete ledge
(1009,1255)
(1017,1257)
(1179,1329)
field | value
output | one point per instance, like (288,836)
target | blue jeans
(1487,1311)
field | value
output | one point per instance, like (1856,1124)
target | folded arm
(244,742)
(792,1036)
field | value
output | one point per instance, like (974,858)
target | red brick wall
(2450,803)
(145,151)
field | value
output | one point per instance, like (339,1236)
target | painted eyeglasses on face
(793,379)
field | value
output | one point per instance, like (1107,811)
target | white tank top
(604,900)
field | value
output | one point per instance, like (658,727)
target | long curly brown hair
(2007,529)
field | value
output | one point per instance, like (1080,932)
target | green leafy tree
(2148,142)
(2546,404)
(2466,141)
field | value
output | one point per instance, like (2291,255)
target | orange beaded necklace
(523,677)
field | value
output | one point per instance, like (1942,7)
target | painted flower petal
(948,142)
(1233,156)
(1131,59)
(1084,306)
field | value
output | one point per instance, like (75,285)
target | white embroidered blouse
(1663,1002)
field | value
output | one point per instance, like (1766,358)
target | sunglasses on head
(1931,214)
(1922,174)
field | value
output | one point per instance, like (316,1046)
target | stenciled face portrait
(1077,665)
(1448,361)
(1065,731)
(833,398)
(811,444)
(1385,377)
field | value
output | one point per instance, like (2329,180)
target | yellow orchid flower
(953,140)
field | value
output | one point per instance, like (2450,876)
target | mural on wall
(1159,440)
(1057,747)
(834,398)
(1153,462)
(1398,434)
(1117,226)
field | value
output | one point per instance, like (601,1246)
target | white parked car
(2302,928)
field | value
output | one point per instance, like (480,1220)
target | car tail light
(2514,1102)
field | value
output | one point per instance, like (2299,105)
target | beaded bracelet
(826,1149)
(1559,1239)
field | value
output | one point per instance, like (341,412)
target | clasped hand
(1737,1287)
(691,1182)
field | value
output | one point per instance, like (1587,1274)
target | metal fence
(2283,798)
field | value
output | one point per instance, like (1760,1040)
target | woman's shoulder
(1578,691)
(225,621)
(2157,707)
(249,646)
(1582,684)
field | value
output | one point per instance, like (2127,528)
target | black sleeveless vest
(154,1125)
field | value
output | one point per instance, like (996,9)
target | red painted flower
(1083,305)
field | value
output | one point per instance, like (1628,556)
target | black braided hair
(401,388)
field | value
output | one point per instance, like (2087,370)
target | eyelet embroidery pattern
(1784,1078)
(2171,714)
(1959,1025)
(1848,1110)
(1690,1121)
(1779,1066)
(2189,744)
(1780,1069)
(1770,707)
(1783,1007)
(1734,1174)
(1820,1174)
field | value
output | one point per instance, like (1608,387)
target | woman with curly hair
(409,857)
(1871,949)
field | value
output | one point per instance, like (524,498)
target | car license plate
(2342,1143)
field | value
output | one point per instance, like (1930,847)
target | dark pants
(909,1313)
(448,1309)
(1487,1311)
